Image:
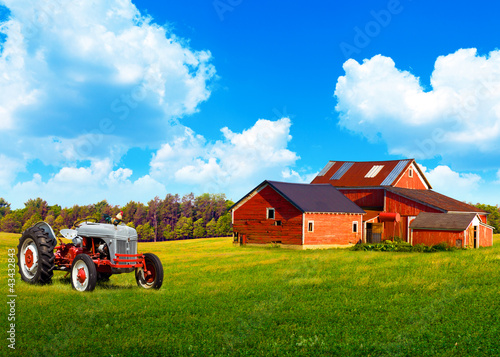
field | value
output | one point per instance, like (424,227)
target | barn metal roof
(396,171)
(309,198)
(434,199)
(443,221)
(315,198)
(355,174)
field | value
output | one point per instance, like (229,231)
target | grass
(223,300)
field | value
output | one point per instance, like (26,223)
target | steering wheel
(85,220)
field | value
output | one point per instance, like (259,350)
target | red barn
(394,193)
(297,215)
(455,229)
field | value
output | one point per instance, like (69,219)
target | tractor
(97,251)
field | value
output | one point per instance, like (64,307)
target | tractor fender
(48,229)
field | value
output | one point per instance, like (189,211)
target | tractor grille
(124,247)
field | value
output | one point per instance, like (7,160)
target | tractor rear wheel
(83,273)
(153,279)
(35,256)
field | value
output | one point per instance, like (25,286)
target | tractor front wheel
(153,277)
(83,273)
(35,256)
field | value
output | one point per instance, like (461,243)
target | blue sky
(124,100)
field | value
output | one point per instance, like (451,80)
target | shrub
(397,245)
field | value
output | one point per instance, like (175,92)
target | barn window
(277,223)
(410,172)
(355,227)
(310,226)
(270,213)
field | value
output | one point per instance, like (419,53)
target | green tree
(98,210)
(184,228)
(168,232)
(50,220)
(58,225)
(145,232)
(224,227)
(4,207)
(153,217)
(493,217)
(33,206)
(35,218)
(199,230)
(212,228)
(11,222)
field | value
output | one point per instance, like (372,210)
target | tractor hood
(107,231)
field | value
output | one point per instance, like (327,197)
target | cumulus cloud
(9,169)
(84,81)
(76,69)
(457,118)
(232,165)
(86,185)
(461,186)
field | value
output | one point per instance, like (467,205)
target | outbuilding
(297,215)
(455,229)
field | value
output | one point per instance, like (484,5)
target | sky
(127,100)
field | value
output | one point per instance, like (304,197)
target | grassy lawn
(223,300)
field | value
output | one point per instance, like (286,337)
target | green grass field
(223,300)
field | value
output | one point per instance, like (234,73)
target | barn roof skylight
(343,169)
(374,171)
(326,168)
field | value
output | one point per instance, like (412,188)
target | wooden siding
(429,237)
(404,206)
(250,219)
(332,229)
(483,218)
(485,236)
(365,197)
(414,182)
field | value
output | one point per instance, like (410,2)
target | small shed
(456,229)
(297,215)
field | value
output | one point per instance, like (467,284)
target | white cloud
(86,185)
(234,164)
(9,168)
(461,186)
(84,81)
(73,69)
(459,117)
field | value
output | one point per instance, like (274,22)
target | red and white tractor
(97,251)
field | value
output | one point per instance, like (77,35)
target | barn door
(374,232)
(377,231)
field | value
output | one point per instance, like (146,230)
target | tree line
(171,218)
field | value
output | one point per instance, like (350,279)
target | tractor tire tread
(46,255)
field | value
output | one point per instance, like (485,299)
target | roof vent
(343,169)
(374,171)
(326,168)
